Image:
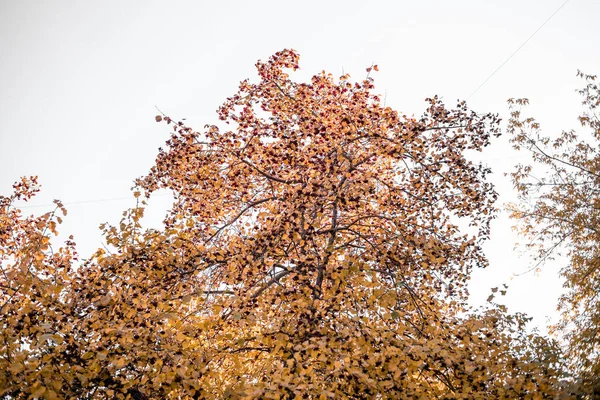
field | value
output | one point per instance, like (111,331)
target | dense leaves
(313,251)
(560,210)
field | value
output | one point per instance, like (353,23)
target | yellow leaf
(37,390)
(51,395)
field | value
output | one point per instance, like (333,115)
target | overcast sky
(79,82)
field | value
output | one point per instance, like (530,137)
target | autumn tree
(34,280)
(560,212)
(313,250)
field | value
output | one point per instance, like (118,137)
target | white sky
(79,81)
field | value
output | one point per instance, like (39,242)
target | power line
(519,48)
(89,201)
(471,95)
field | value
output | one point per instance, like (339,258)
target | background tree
(313,250)
(34,280)
(560,210)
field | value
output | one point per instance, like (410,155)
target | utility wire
(518,48)
(471,95)
(89,201)
(168,194)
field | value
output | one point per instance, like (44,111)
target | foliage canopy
(313,251)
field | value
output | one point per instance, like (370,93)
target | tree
(34,282)
(560,211)
(313,251)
